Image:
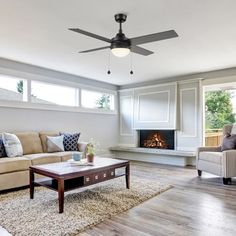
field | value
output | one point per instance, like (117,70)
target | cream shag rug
(83,207)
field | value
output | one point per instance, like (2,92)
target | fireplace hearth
(159,139)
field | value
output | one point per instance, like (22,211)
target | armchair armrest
(229,163)
(83,147)
(207,149)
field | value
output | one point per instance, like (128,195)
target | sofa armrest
(229,163)
(83,147)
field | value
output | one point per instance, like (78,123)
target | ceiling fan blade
(154,37)
(141,51)
(90,34)
(95,49)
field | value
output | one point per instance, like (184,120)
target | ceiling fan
(121,46)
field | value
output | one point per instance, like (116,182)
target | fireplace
(159,139)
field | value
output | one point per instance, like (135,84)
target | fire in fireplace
(160,139)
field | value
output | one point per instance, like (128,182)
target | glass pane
(13,89)
(220,109)
(53,94)
(92,99)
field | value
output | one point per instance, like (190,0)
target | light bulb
(120,52)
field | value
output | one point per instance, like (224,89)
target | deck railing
(213,137)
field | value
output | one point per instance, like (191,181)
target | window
(13,89)
(92,99)
(47,93)
(50,95)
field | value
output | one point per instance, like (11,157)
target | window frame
(54,107)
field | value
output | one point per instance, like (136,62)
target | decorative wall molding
(131,118)
(181,133)
(168,107)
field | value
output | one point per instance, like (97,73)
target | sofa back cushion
(30,142)
(43,137)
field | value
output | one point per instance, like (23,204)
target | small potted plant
(90,153)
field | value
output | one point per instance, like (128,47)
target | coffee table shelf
(69,184)
(62,177)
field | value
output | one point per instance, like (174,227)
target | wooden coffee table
(63,176)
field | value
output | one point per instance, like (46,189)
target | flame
(155,141)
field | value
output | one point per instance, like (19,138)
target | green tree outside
(219,109)
(104,102)
(20,86)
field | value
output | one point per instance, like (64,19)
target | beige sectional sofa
(14,172)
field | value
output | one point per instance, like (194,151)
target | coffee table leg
(127,176)
(31,184)
(61,195)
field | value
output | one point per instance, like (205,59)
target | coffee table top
(66,168)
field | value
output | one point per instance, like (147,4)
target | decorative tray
(80,163)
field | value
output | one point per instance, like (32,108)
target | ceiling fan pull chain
(109,63)
(131,64)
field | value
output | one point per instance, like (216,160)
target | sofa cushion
(14,164)
(215,157)
(30,142)
(12,145)
(71,141)
(43,137)
(43,158)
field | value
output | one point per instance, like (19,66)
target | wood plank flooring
(194,206)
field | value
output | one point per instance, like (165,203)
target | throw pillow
(55,144)
(71,141)
(12,145)
(2,149)
(229,143)
(233,130)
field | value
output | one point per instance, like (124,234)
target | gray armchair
(212,160)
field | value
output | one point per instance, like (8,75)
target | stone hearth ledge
(161,156)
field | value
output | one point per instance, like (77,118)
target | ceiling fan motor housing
(120,41)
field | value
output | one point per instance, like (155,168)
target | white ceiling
(35,32)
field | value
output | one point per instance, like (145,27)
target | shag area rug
(83,207)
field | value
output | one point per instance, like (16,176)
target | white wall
(101,127)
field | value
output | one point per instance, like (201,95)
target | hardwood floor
(194,206)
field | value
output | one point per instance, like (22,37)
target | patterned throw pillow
(2,149)
(12,145)
(55,144)
(71,141)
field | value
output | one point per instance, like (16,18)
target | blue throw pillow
(70,141)
(2,149)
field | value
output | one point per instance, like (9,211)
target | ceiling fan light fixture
(120,52)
